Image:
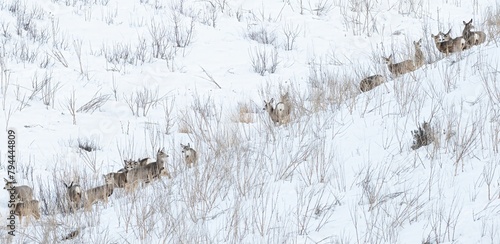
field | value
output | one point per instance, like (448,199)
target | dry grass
(492,22)
(243,114)
(183,125)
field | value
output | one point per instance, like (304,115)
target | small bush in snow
(291,33)
(264,61)
(261,35)
(88,144)
(423,136)
(493,23)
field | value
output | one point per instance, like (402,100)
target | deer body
(190,155)
(148,172)
(74,193)
(26,208)
(473,37)
(419,55)
(449,44)
(23,192)
(371,82)
(99,193)
(119,179)
(401,67)
(130,164)
(279,114)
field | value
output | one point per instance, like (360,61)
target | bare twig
(210,78)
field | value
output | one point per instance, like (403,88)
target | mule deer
(473,37)
(144,161)
(130,164)
(419,55)
(24,192)
(26,208)
(279,114)
(119,179)
(100,193)
(190,155)
(154,169)
(371,82)
(399,68)
(148,172)
(459,41)
(74,192)
(448,44)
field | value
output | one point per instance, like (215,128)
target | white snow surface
(342,170)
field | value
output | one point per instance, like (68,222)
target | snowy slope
(342,171)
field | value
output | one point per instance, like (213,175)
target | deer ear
(272,100)
(189,145)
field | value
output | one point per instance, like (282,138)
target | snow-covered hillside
(87,84)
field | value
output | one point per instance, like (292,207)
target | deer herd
(129,177)
(444,44)
(146,170)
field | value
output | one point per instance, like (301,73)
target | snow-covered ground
(128,77)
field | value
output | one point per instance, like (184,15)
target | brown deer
(25,208)
(99,193)
(446,44)
(399,68)
(24,192)
(119,179)
(473,37)
(190,155)
(130,164)
(279,114)
(74,193)
(148,172)
(419,55)
(371,82)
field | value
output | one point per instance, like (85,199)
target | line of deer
(447,44)
(21,201)
(133,173)
(147,172)
(279,114)
(396,69)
